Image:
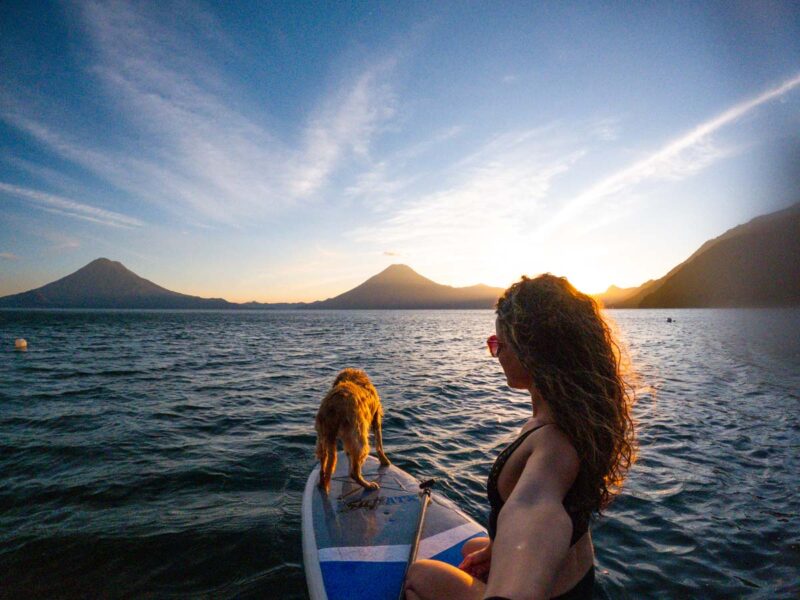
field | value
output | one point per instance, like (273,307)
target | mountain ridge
(753,264)
(756,263)
(399,286)
(104,283)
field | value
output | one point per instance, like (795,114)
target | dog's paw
(385,462)
(372,485)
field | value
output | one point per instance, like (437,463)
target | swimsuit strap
(514,445)
(498,465)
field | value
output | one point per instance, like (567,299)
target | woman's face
(516,374)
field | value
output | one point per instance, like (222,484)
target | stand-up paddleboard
(356,542)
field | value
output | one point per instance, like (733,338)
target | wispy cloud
(606,130)
(346,124)
(8,256)
(98,161)
(194,149)
(66,244)
(680,158)
(386,180)
(496,188)
(52,178)
(70,208)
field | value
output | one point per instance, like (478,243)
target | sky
(289,151)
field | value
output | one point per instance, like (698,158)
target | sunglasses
(494,345)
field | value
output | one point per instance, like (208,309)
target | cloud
(66,245)
(345,125)
(390,178)
(8,256)
(71,208)
(53,178)
(678,159)
(497,188)
(390,253)
(100,162)
(191,148)
(606,130)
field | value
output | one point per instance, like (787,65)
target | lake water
(164,454)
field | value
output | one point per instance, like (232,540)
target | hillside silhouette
(104,283)
(751,265)
(754,264)
(399,286)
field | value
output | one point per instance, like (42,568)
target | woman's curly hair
(564,343)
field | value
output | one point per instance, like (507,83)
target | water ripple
(164,454)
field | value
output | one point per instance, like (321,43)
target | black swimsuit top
(579,525)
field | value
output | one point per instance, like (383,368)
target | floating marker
(20,344)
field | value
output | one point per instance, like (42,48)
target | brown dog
(347,412)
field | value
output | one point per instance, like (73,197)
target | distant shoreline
(350,310)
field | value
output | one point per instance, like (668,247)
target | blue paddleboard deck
(356,542)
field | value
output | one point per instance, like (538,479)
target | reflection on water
(165,453)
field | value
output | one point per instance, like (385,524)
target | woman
(567,464)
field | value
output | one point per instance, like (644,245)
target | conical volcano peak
(102,261)
(399,273)
(109,276)
(398,267)
(104,265)
(105,283)
(400,286)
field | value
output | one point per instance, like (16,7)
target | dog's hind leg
(376,427)
(357,446)
(330,465)
(326,452)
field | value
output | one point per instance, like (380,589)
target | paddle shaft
(412,555)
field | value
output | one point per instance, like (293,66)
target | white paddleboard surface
(356,542)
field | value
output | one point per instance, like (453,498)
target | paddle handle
(425,495)
(426,498)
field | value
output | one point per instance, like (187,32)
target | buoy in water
(20,344)
(669,319)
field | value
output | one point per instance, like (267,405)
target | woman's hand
(477,563)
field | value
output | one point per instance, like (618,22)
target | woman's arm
(533,529)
